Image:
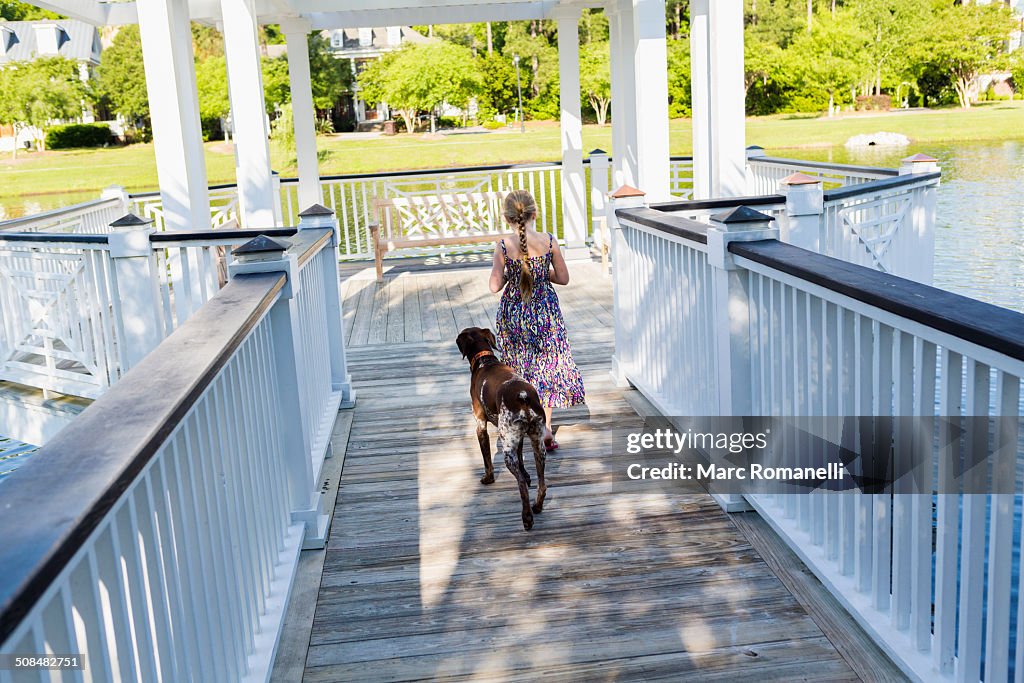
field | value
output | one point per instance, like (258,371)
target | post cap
(754,147)
(741,214)
(596,151)
(260,248)
(315,210)
(800,179)
(919,158)
(627,191)
(130,221)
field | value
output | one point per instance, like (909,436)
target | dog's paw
(538,508)
(487,479)
(527,518)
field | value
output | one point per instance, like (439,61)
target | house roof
(77,40)
(380,39)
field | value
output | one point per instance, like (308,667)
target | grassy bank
(55,178)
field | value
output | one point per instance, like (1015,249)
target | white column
(620,26)
(651,77)
(700,96)
(245,88)
(728,97)
(804,206)
(296,31)
(174,110)
(716,62)
(574,191)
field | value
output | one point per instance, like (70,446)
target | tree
(498,85)
(1017,71)
(422,77)
(827,61)
(595,78)
(212,86)
(121,77)
(964,40)
(331,77)
(892,28)
(37,93)
(12,10)
(680,91)
(538,66)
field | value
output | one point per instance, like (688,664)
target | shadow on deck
(429,575)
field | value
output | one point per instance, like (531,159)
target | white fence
(725,320)
(765,173)
(885,223)
(88,218)
(170,555)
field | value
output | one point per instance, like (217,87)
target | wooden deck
(429,575)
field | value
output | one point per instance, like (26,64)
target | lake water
(979,239)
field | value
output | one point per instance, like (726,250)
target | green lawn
(55,178)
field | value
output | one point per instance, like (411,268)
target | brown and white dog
(512,404)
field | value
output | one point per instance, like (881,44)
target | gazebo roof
(330,14)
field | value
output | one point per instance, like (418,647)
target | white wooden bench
(436,221)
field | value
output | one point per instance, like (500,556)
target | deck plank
(429,575)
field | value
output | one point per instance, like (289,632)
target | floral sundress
(532,334)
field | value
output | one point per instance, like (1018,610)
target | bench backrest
(441,217)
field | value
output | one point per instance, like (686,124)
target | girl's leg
(549,436)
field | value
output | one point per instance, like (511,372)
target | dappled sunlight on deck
(429,574)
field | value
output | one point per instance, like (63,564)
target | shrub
(493,125)
(79,135)
(873,103)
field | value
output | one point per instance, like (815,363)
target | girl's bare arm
(497,281)
(559,271)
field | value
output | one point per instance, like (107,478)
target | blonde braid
(520,209)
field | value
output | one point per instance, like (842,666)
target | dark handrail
(672,225)
(992,327)
(828,165)
(51,237)
(57,499)
(719,203)
(308,243)
(231,234)
(878,185)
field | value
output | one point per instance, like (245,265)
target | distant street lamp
(519,88)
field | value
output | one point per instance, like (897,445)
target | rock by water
(880,139)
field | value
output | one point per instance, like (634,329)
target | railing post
(267,255)
(731,311)
(275,179)
(923,216)
(119,193)
(599,165)
(136,301)
(319,217)
(752,180)
(805,201)
(625,197)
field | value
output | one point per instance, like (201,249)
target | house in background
(363,46)
(25,41)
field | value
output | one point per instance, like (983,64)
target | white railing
(681,177)
(60,327)
(172,558)
(725,320)
(764,173)
(887,224)
(224,210)
(88,218)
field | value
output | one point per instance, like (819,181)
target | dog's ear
(490,338)
(461,341)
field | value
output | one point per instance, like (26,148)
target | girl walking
(531,330)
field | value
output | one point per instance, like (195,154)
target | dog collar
(479,356)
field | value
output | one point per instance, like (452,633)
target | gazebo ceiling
(330,14)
